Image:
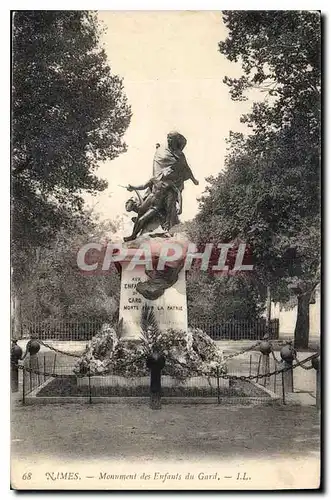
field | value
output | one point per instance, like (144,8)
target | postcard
(165,233)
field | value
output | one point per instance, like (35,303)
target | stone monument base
(170,309)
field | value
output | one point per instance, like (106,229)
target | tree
(252,201)
(69,112)
(280,53)
(213,299)
(57,289)
(269,194)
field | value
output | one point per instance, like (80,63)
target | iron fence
(85,330)
(35,373)
(61,330)
(239,329)
(48,376)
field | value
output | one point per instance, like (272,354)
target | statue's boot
(129,238)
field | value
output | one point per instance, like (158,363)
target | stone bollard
(316,364)
(34,368)
(155,363)
(32,348)
(265,349)
(15,355)
(288,354)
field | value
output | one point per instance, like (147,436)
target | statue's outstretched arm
(142,186)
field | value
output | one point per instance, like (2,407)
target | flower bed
(67,386)
(186,354)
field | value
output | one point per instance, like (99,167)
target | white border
(4,170)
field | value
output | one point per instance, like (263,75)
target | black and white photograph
(165,239)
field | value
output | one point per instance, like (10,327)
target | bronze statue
(162,201)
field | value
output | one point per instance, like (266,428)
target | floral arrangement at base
(187,354)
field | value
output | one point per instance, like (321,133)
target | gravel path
(105,431)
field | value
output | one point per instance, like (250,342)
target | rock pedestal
(170,309)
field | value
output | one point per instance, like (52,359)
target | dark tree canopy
(69,112)
(280,53)
(56,288)
(269,193)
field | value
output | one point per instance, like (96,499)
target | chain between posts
(224,376)
(37,372)
(247,349)
(226,358)
(59,350)
(230,356)
(300,363)
(79,355)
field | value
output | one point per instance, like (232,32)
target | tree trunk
(301,332)
(16,319)
(268,311)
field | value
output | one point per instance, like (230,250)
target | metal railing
(61,330)
(85,330)
(58,380)
(46,376)
(238,329)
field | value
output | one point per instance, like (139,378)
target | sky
(172,74)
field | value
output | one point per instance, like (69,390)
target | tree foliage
(280,55)
(214,299)
(56,288)
(69,112)
(269,193)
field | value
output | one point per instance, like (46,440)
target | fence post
(265,349)
(54,363)
(218,386)
(316,364)
(23,388)
(30,373)
(288,376)
(250,365)
(275,376)
(283,388)
(44,368)
(287,353)
(265,367)
(38,370)
(258,368)
(89,387)
(318,389)
(34,374)
(155,363)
